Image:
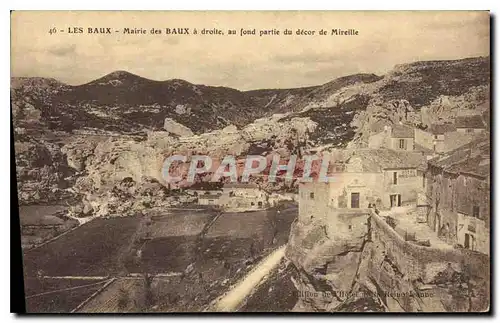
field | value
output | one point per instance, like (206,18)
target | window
(395,200)
(252,203)
(350,227)
(394,178)
(469,130)
(423,180)
(401,144)
(435,136)
(311,195)
(475,211)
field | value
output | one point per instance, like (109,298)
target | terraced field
(58,295)
(92,250)
(192,258)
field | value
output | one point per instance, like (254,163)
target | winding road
(235,296)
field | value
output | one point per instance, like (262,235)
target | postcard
(251,161)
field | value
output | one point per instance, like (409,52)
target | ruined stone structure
(458,191)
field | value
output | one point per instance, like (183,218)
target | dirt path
(235,296)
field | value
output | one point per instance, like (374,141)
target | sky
(242,62)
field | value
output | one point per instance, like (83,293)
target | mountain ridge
(122,102)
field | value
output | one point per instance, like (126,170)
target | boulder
(176,128)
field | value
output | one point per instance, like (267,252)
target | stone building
(244,195)
(442,138)
(361,177)
(396,137)
(458,193)
(470,124)
(202,188)
(209,199)
(237,196)
(433,138)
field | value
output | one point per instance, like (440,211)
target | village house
(365,177)
(236,196)
(442,138)
(209,199)
(458,193)
(396,137)
(433,138)
(470,124)
(202,188)
(244,195)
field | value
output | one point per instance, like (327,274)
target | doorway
(469,241)
(354,200)
(395,200)
(437,222)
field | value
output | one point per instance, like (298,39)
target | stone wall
(424,139)
(365,254)
(414,259)
(408,144)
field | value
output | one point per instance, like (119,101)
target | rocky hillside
(419,93)
(123,102)
(134,113)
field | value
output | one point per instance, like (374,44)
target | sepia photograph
(251,161)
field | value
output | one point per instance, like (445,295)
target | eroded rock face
(128,197)
(42,172)
(103,163)
(327,260)
(338,273)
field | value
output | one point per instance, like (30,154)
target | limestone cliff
(103,163)
(380,272)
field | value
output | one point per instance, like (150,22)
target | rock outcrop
(112,128)
(177,129)
(338,272)
(43,175)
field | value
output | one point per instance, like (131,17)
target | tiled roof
(376,160)
(440,129)
(472,158)
(473,121)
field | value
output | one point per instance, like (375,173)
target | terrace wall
(416,261)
